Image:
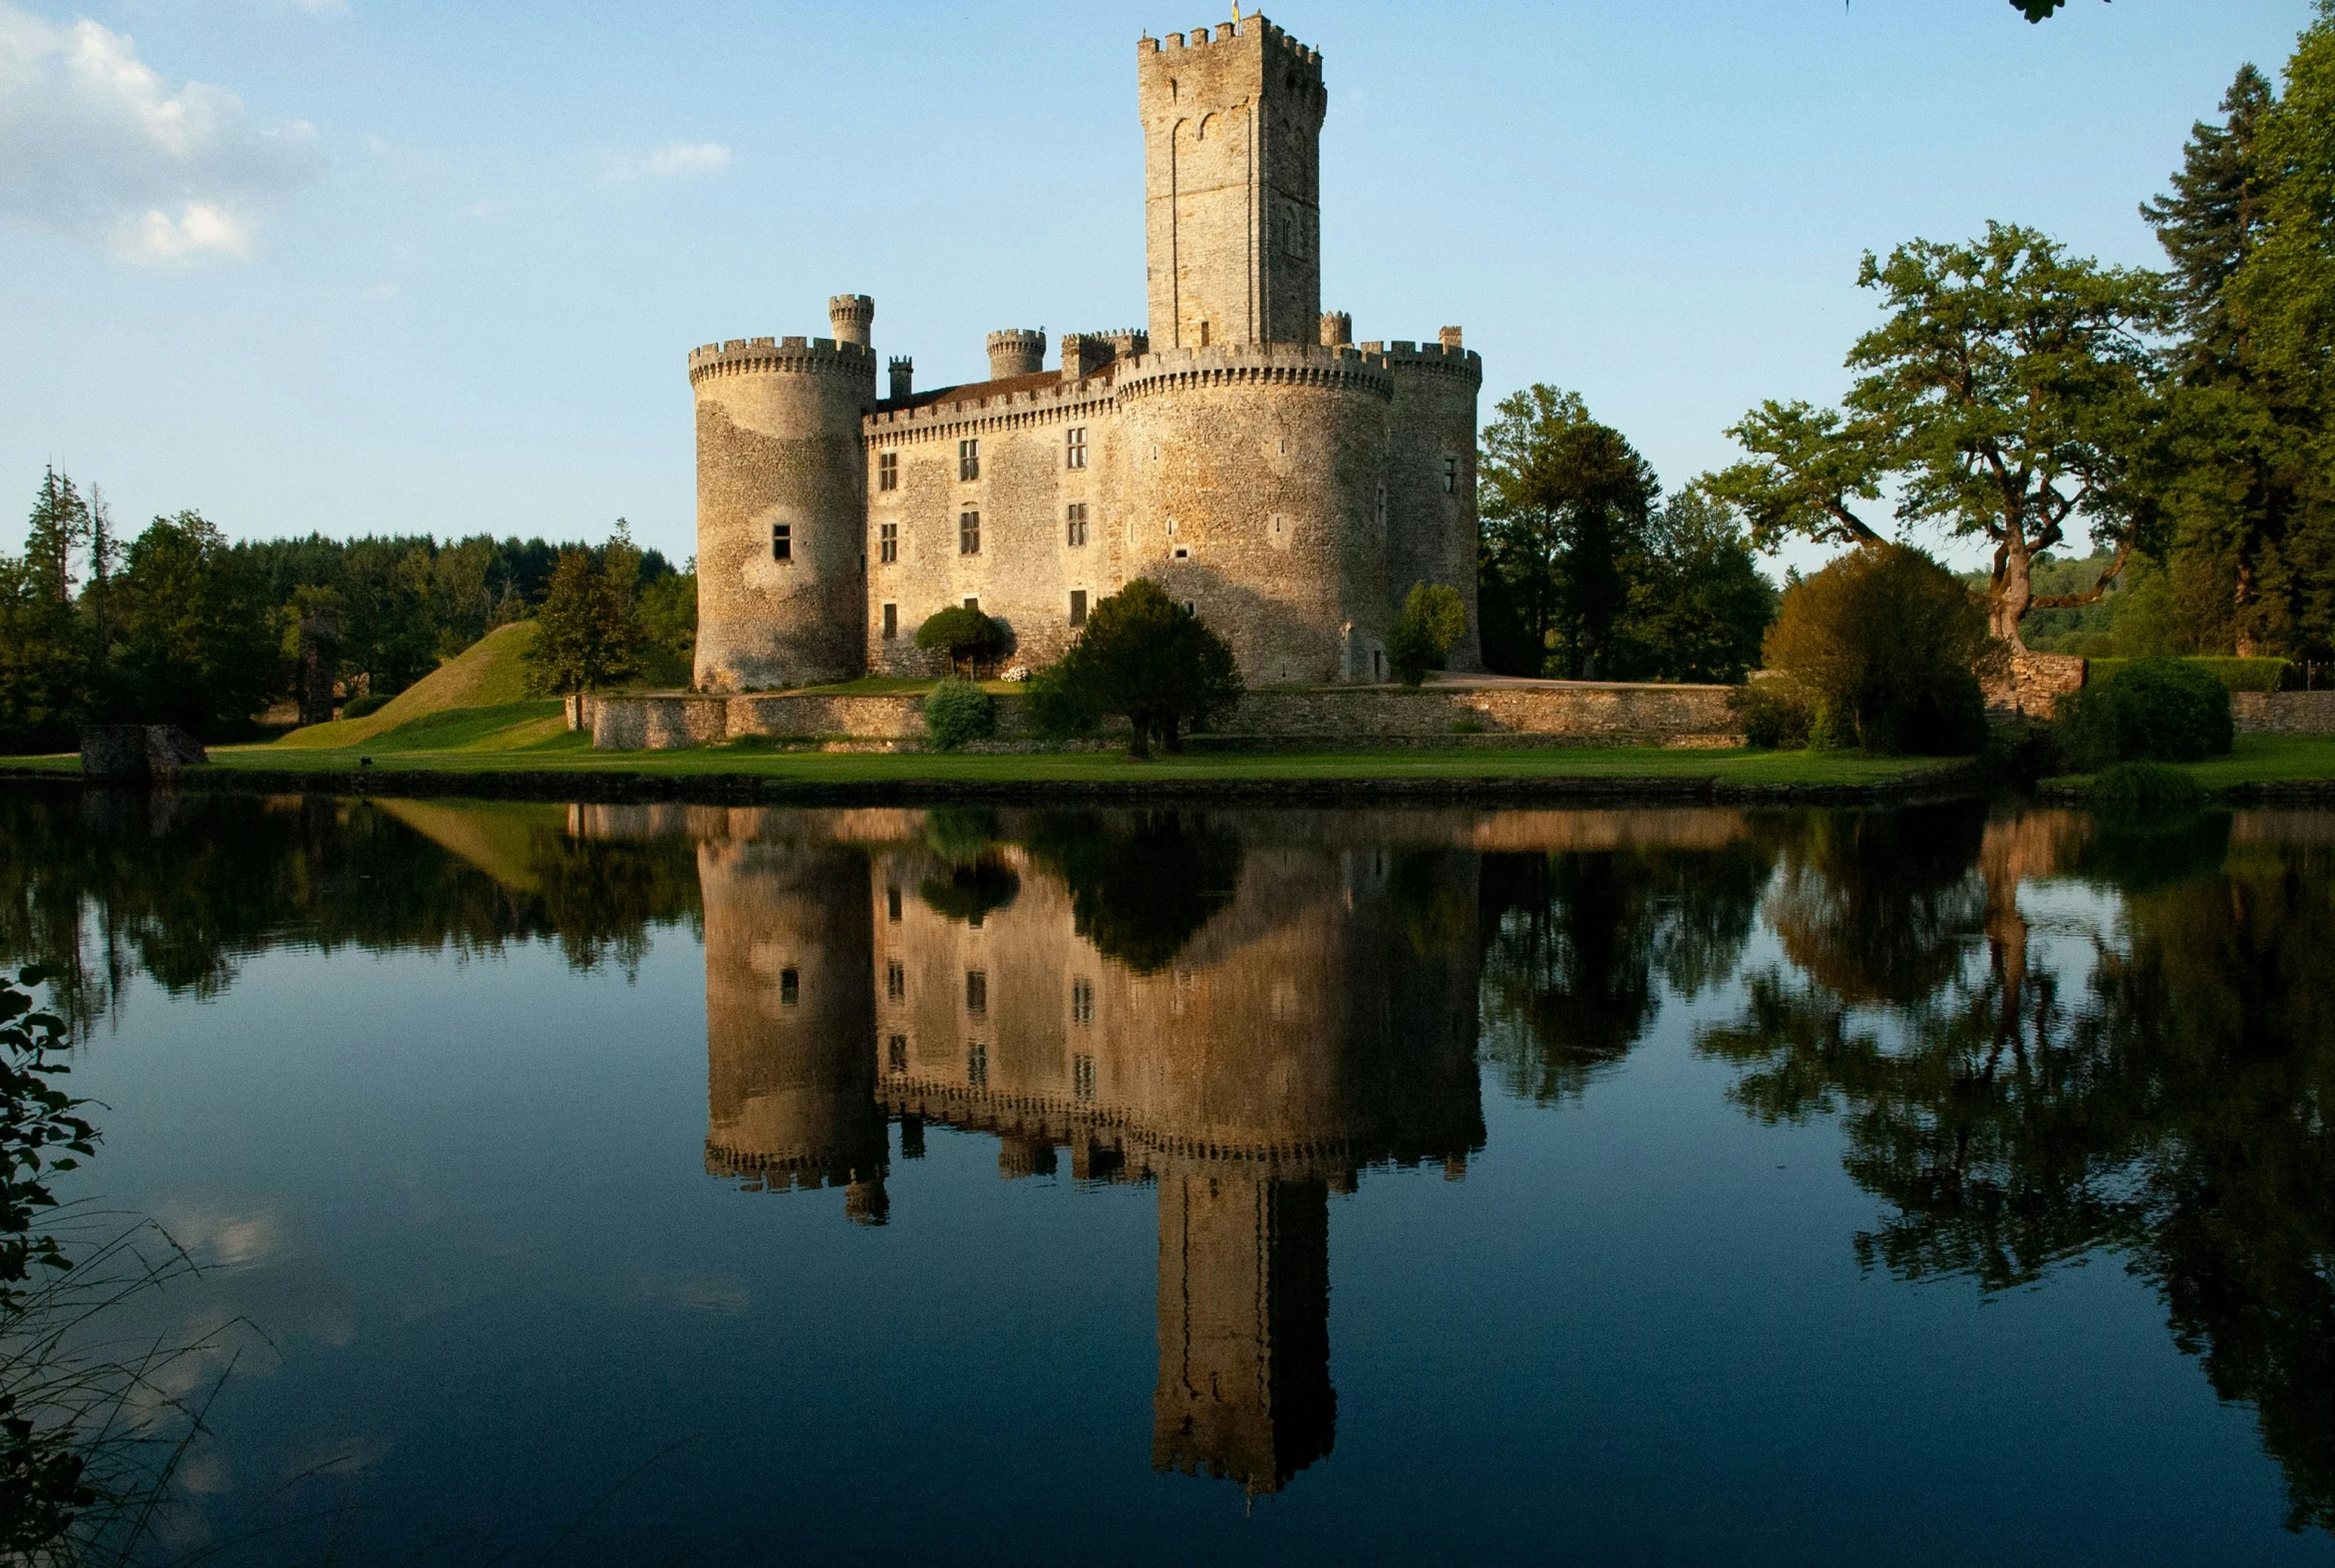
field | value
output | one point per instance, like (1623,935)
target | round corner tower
(781,505)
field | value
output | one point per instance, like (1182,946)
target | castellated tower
(1231,184)
(781,505)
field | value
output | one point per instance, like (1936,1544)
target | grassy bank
(2260,767)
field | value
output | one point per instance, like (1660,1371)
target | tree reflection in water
(2173,1111)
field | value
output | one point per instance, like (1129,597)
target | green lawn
(2257,760)
(564,754)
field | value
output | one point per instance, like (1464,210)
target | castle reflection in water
(1249,1026)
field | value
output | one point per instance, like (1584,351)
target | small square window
(968,459)
(895,980)
(781,541)
(1074,453)
(891,622)
(896,1053)
(977,1063)
(973,603)
(1078,606)
(790,987)
(887,473)
(977,991)
(887,542)
(1181,553)
(1074,531)
(969,533)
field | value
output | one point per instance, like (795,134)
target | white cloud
(673,160)
(94,144)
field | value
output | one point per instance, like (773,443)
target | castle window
(1074,448)
(1181,553)
(896,1053)
(887,542)
(895,980)
(1082,1001)
(977,991)
(968,459)
(973,603)
(1451,475)
(1381,512)
(1075,530)
(1082,1076)
(891,622)
(892,903)
(1078,606)
(976,1064)
(969,533)
(781,541)
(887,473)
(790,987)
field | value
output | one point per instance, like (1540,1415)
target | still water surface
(1949,1184)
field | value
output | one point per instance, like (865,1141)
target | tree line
(2152,451)
(181,625)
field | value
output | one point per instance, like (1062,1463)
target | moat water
(1950,1185)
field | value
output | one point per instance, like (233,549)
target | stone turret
(1337,329)
(904,378)
(781,505)
(1016,351)
(853,316)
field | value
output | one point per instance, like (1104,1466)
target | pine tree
(2214,217)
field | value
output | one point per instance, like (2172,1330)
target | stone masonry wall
(2283,713)
(1600,714)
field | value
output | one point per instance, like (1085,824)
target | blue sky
(359,266)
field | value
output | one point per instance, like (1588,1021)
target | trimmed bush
(958,712)
(359,707)
(1888,645)
(2240,675)
(963,633)
(2154,710)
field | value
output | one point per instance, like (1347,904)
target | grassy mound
(487,675)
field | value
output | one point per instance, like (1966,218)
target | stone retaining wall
(1444,714)
(2283,713)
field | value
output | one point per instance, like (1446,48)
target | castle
(1286,482)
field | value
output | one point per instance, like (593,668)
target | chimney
(904,371)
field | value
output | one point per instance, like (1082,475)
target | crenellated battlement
(781,357)
(1288,364)
(949,414)
(1447,358)
(1199,38)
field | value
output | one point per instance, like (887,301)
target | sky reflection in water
(1933,1184)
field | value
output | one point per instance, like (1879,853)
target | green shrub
(2023,751)
(2154,710)
(1060,707)
(1775,714)
(1890,645)
(2240,675)
(359,707)
(1152,659)
(958,712)
(1432,622)
(1829,729)
(2144,789)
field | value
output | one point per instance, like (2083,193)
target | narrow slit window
(969,459)
(887,542)
(781,541)
(1451,475)
(891,622)
(1074,451)
(887,472)
(1078,606)
(892,903)
(790,987)
(969,533)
